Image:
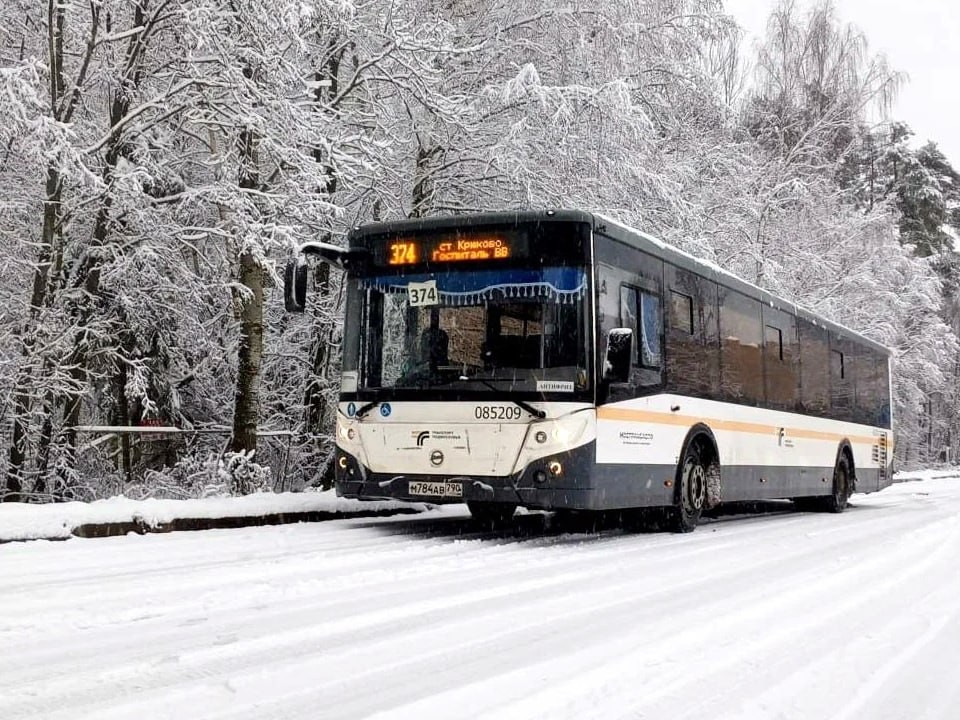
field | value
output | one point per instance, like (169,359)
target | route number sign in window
(421,294)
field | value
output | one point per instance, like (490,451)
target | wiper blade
(364,409)
(540,414)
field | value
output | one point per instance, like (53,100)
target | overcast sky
(920,38)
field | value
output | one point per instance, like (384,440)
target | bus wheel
(491,513)
(691,492)
(836,502)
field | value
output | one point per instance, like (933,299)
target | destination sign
(465,247)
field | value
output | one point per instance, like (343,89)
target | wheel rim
(694,487)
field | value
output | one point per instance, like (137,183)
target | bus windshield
(505,329)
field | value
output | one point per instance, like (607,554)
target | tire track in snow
(513,590)
(450,599)
(615,659)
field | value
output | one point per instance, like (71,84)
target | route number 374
(424,293)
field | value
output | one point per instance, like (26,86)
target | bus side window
(650,331)
(841,379)
(781,362)
(640,311)
(628,316)
(691,351)
(681,312)
(814,361)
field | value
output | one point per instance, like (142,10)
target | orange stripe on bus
(660,418)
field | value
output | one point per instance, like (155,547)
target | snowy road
(779,615)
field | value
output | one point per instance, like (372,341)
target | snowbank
(915,475)
(21,521)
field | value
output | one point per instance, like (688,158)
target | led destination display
(463,247)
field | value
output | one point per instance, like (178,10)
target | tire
(691,492)
(836,501)
(492,514)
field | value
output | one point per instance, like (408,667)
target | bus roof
(442,222)
(625,234)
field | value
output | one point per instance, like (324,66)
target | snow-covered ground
(776,615)
(23,521)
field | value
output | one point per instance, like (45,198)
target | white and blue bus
(559,360)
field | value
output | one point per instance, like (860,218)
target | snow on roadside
(22,521)
(914,475)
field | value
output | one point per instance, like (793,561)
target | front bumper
(537,487)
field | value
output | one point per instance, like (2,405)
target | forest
(160,159)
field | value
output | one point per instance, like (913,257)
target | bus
(558,360)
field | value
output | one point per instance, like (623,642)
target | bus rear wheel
(691,491)
(491,513)
(836,501)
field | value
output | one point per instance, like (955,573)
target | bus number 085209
(497,412)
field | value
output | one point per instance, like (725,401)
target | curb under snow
(120,515)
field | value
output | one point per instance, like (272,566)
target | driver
(432,353)
(434,347)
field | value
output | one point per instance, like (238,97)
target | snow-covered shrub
(242,476)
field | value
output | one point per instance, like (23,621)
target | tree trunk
(423,182)
(49,250)
(43,445)
(247,399)
(315,401)
(123,419)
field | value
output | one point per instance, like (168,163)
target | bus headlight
(560,433)
(346,433)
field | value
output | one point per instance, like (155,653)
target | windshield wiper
(364,409)
(540,414)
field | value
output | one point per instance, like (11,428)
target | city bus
(558,360)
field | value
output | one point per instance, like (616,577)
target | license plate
(435,489)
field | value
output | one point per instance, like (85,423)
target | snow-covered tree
(160,158)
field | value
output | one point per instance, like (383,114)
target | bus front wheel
(691,491)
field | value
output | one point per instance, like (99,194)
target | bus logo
(422,437)
(436,458)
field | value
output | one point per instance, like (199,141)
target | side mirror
(616,364)
(295,273)
(295,284)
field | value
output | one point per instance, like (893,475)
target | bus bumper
(569,480)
